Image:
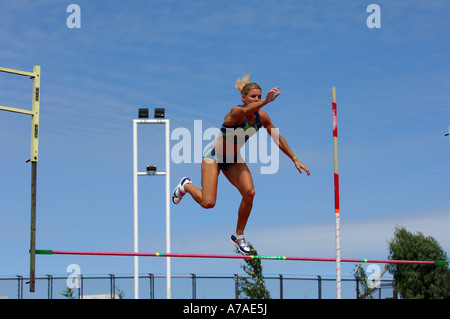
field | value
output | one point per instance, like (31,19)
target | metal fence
(183,287)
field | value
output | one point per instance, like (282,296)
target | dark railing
(288,287)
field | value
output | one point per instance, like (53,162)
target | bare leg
(239,175)
(206,196)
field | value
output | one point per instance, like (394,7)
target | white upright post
(135,204)
(136,173)
(168,196)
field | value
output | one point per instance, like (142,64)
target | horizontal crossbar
(18,72)
(15,110)
(101,253)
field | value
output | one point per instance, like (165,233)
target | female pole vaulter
(239,124)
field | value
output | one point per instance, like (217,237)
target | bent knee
(249,194)
(208,204)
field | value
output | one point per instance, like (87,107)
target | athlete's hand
(300,166)
(272,94)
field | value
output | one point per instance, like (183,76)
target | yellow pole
(448,132)
(35,115)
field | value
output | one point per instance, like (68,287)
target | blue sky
(392,93)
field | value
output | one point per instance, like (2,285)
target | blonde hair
(244,86)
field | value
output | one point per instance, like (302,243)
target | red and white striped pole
(336,197)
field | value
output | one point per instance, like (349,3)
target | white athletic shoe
(179,191)
(240,243)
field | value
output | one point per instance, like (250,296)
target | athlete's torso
(235,136)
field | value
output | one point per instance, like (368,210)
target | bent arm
(238,112)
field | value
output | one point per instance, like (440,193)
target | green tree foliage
(418,281)
(253,288)
(68,293)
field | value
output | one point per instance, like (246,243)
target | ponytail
(244,86)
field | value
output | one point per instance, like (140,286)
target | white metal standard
(136,173)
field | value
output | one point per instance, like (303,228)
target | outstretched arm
(281,142)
